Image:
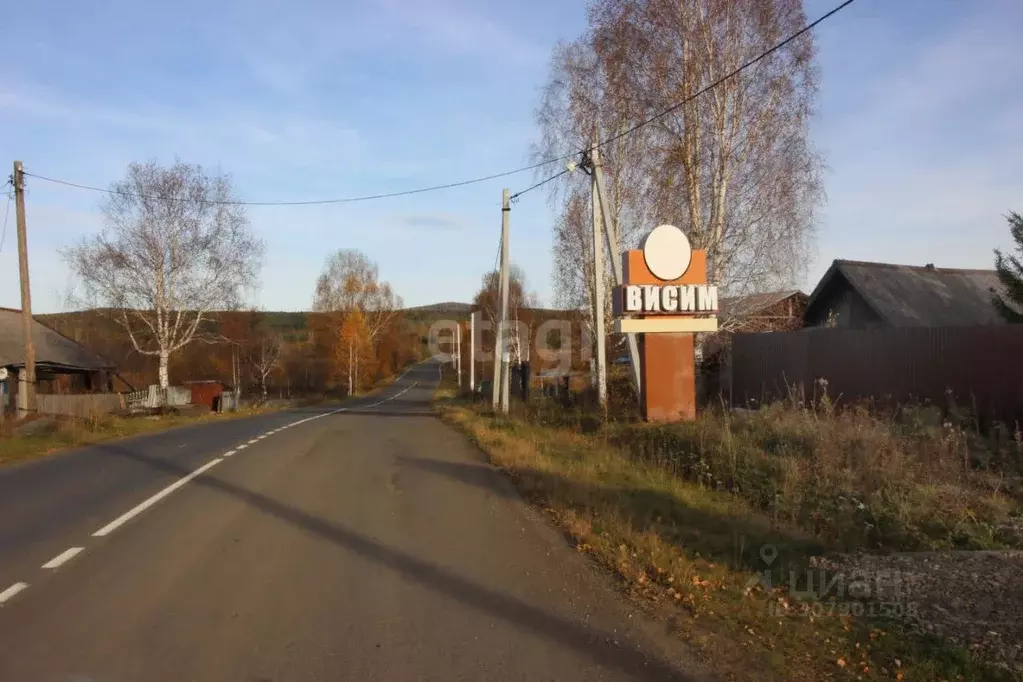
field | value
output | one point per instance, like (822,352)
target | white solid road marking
(63,557)
(229,453)
(11,591)
(127,516)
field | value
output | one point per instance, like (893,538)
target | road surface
(372,543)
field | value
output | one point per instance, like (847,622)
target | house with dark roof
(770,311)
(57,356)
(862,295)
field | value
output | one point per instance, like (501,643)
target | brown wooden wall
(983,366)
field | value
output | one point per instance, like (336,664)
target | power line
(539,184)
(677,106)
(494,176)
(344,200)
(3,232)
(497,256)
(728,76)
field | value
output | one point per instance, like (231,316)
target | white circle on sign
(667,252)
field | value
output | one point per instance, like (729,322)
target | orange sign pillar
(667,360)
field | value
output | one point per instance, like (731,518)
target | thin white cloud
(924,155)
(442,221)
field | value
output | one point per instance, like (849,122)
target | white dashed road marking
(63,557)
(130,514)
(71,553)
(11,591)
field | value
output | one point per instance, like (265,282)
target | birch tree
(174,249)
(351,281)
(264,356)
(733,167)
(352,342)
(520,300)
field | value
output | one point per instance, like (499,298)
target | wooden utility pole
(27,377)
(598,287)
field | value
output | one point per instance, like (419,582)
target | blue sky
(919,120)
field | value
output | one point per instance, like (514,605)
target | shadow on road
(734,541)
(595,644)
(374,412)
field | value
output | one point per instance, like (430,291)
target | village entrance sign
(666,299)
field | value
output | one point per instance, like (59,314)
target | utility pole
(26,377)
(611,231)
(598,285)
(500,360)
(458,354)
(472,353)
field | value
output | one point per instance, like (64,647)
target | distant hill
(446,307)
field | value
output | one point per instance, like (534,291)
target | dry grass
(681,514)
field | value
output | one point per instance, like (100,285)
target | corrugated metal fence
(982,366)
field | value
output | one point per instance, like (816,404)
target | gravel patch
(974,599)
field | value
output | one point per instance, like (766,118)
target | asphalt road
(372,543)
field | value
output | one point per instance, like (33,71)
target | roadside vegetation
(688,516)
(47,435)
(21,440)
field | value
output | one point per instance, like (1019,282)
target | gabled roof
(915,296)
(52,347)
(753,304)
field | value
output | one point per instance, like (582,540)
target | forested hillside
(309,359)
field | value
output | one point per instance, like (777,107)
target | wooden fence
(83,405)
(980,366)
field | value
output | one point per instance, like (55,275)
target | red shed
(207,392)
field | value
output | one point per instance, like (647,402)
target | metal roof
(52,348)
(916,296)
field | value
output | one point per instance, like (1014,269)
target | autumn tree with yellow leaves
(363,311)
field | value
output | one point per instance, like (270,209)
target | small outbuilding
(208,392)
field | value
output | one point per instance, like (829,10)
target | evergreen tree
(1010,274)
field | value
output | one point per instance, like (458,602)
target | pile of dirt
(974,599)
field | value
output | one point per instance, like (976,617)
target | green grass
(680,513)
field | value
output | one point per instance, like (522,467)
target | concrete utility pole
(27,376)
(472,352)
(458,353)
(611,230)
(498,350)
(501,361)
(598,287)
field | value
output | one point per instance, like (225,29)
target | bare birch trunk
(164,378)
